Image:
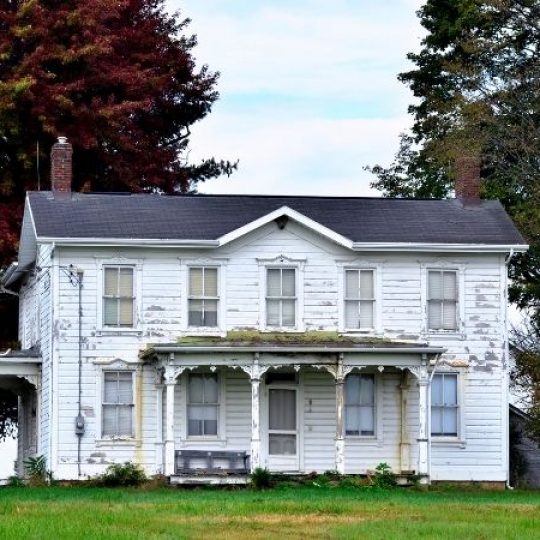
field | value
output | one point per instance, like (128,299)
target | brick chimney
(61,165)
(467,177)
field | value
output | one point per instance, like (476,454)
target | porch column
(255,375)
(159,429)
(340,403)
(404,446)
(423,423)
(170,384)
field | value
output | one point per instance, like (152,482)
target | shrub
(122,474)
(261,478)
(384,477)
(36,468)
(15,481)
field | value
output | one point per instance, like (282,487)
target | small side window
(444,405)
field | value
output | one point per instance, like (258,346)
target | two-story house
(201,334)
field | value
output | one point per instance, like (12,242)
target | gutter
(163,349)
(355,246)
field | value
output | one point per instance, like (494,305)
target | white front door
(282,445)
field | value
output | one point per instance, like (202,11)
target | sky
(309,95)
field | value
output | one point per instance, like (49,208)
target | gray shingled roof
(207,217)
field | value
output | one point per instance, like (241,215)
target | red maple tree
(118,79)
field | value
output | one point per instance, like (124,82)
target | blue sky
(309,94)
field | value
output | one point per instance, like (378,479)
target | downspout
(79,422)
(507,260)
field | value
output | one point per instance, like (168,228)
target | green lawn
(303,512)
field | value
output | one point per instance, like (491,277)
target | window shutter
(272,312)
(288,312)
(111,282)
(366,285)
(125,312)
(288,282)
(352,287)
(352,314)
(125,387)
(273,282)
(449,315)
(366,314)
(435,287)
(126,282)
(210,282)
(110,311)
(109,421)
(125,421)
(449,286)
(196,282)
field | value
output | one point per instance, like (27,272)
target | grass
(296,513)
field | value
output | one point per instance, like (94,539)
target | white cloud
(309,93)
(311,156)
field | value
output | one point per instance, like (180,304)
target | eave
(396,247)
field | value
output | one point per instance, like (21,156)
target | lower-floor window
(203,404)
(444,405)
(117,412)
(360,405)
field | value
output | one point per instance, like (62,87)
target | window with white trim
(442,300)
(118,296)
(444,405)
(203,297)
(281,297)
(359,299)
(202,405)
(117,404)
(360,405)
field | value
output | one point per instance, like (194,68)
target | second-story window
(118,296)
(203,297)
(359,299)
(281,297)
(442,300)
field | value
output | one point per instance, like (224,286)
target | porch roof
(353,346)
(20,364)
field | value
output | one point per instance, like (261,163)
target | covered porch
(226,409)
(20,373)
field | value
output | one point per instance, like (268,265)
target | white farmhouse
(205,336)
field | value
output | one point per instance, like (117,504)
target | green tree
(476,81)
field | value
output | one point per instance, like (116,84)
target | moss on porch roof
(309,338)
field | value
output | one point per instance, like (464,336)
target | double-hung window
(444,405)
(118,296)
(442,300)
(202,405)
(360,405)
(281,297)
(203,297)
(359,299)
(117,405)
